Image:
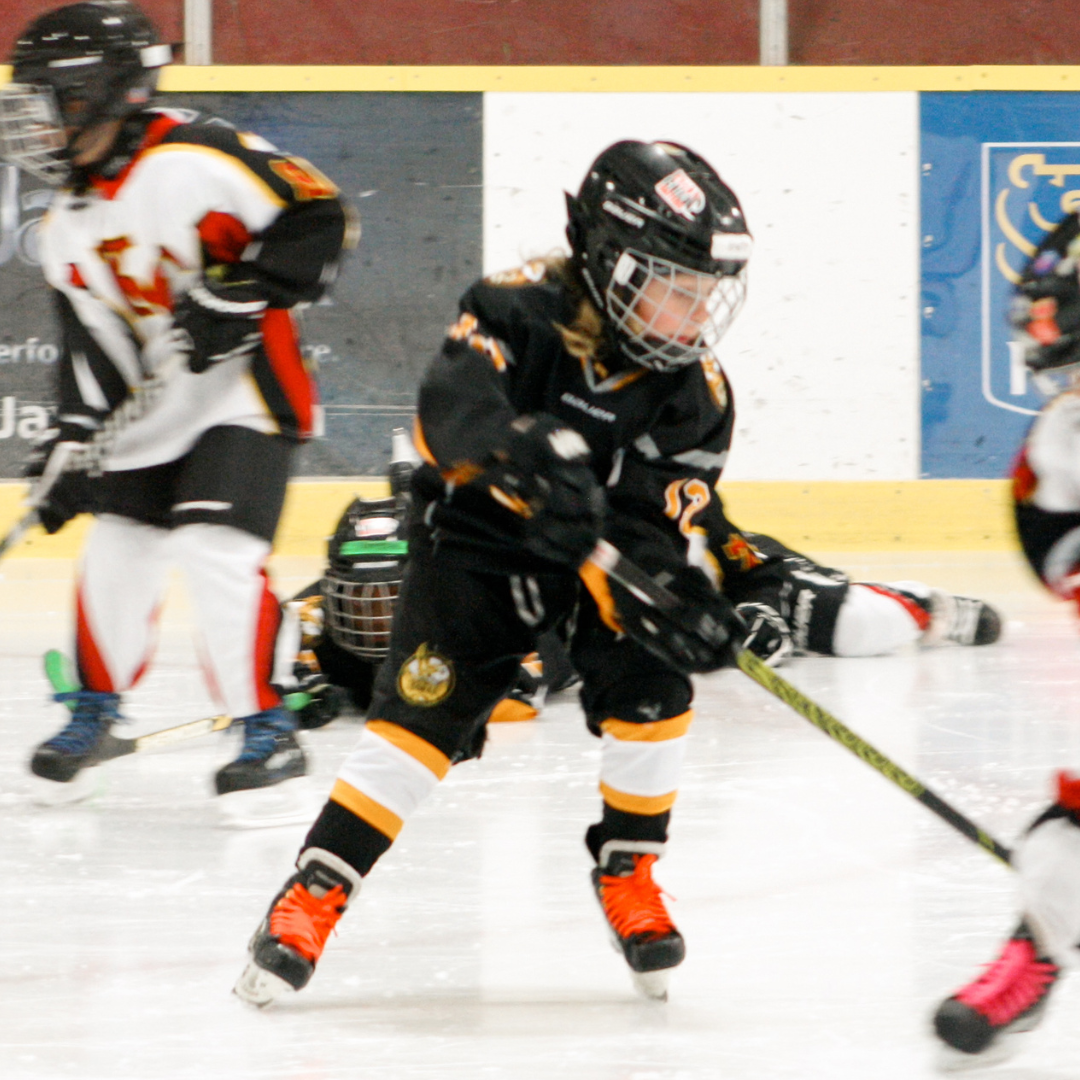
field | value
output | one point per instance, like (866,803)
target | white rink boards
(825,912)
(824,357)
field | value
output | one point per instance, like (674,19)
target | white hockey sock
(121,582)
(237,614)
(872,623)
(640,764)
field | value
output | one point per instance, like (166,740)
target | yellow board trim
(658,731)
(429,756)
(816,516)
(367,809)
(637,804)
(877,515)
(272,78)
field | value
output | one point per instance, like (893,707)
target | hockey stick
(633,578)
(87,457)
(62,679)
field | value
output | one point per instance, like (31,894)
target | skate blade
(652,985)
(84,785)
(287,803)
(259,987)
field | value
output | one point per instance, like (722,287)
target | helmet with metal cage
(360,586)
(662,245)
(1045,310)
(72,68)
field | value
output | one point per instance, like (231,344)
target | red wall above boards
(689,32)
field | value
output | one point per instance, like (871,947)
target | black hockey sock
(349,837)
(619,825)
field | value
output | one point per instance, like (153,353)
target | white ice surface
(825,912)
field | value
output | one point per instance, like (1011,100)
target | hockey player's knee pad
(654,696)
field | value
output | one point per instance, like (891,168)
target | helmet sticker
(426,678)
(682,194)
(375,526)
(732,246)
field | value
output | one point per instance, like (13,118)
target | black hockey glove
(768,634)
(544,476)
(68,494)
(222,320)
(324,703)
(702,631)
(701,634)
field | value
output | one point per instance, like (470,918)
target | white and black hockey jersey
(119,251)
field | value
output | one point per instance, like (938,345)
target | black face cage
(36,107)
(362,582)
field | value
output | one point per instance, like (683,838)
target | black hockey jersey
(659,440)
(193,197)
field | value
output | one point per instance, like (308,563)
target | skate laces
(303,922)
(634,904)
(94,713)
(1012,984)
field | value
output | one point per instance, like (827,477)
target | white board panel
(824,357)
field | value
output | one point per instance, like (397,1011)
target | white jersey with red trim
(195,195)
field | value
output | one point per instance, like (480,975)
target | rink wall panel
(460,169)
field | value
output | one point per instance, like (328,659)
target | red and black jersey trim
(282,377)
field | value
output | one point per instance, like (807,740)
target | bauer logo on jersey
(681,194)
(426,678)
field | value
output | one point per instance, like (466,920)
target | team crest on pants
(426,678)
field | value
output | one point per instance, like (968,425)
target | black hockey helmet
(652,222)
(72,68)
(1045,311)
(360,586)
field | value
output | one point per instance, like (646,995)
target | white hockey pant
(122,578)
(1048,862)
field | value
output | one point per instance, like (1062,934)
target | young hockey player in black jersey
(573,399)
(1011,993)
(175,247)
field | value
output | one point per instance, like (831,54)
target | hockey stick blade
(613,562)
(62,677)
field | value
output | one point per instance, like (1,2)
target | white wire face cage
(32,133)
(359,613)
(667,315)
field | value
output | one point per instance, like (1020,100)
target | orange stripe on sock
(367,809)
(637,804)
(658,731)
(428,755)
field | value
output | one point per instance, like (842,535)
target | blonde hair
(583,337)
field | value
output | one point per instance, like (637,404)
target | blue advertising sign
(999,170)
